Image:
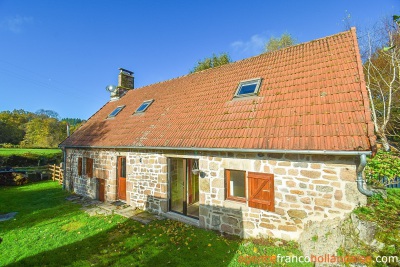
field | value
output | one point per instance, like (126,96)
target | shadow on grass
(35,203)
(165,243)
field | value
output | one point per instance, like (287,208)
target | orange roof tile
(312,97)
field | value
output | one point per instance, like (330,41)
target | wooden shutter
(261,191)
(79,166)
(89,167)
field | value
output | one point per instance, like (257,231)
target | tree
(212,62)
(12,128)
(47,113)
(44,132)
(275,44)
(382,76)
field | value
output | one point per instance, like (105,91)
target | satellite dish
(111,88)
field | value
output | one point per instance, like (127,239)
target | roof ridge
(249,58)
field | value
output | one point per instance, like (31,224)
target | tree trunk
(384,140)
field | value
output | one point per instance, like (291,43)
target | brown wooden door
(261,191)
(102,187)
(121,171)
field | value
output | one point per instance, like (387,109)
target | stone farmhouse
(259,147)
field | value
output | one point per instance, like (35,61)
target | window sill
(229,203)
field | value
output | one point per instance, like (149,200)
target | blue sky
(60,55)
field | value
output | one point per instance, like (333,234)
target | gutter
(239,150)
(64,166)
(360,181)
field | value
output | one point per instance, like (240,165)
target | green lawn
(4,152)
(50,231)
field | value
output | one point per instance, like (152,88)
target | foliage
(212,62)
(29,157)
(383,165)
(275,44)
(49,231)
(40,129)
(47,113)
(384,212)
(381,69)
(12,125)
(12,179)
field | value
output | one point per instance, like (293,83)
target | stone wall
(308,188)
(146,183)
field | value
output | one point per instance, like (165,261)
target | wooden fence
(56,172)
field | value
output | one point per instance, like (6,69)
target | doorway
(121,178)
(184,186)
(102,189)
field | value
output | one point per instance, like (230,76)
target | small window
(236,185)
(144,106)
(115,111)
(248,88)
(85,167)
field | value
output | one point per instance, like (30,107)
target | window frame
(117,112)
(248,189)
(256,81)
(85,167)
(148,102)
(228,188)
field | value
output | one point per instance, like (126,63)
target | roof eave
(237,150)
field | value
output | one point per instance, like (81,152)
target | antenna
(111,88)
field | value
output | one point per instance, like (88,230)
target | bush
(8,145)
(383,165)
(12,178)
(30,159)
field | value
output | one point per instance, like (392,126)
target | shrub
(29,159)
(385,165)
(12,178)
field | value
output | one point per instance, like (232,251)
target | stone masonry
(308,188)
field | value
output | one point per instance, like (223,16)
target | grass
(5,152)
(385,213)
(50,231)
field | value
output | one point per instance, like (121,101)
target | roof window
(144,106)
(248,88)
(115,111)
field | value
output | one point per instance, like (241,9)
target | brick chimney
(125,79)
(125,83)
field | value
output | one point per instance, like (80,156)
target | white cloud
(253,46)
(14,24)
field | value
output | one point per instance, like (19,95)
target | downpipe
(64,167)
(360,180)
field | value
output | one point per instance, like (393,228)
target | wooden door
(102,187)
(121,177)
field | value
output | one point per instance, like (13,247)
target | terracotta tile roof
(312,97)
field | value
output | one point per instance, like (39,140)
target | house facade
(258,147)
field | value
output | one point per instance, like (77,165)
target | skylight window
(144,106)
(115,111)
(248,88)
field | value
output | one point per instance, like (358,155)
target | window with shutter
(235,185)
(261,191)
(89,167)
(79,166)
